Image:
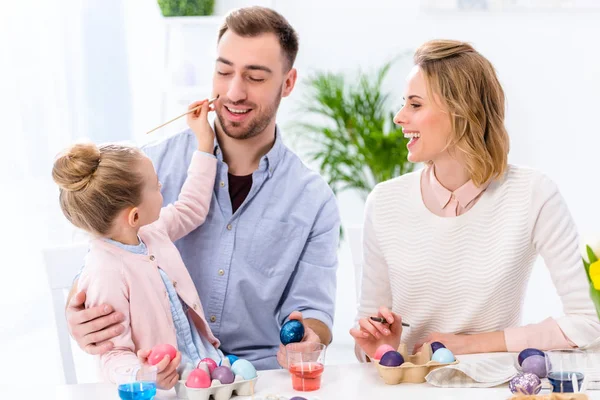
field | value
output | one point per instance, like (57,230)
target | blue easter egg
(231,358)
(529,352)
(244,368)
(435,346)
(291,332)
(391,359)
(443,356)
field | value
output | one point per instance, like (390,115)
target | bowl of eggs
(396,367)
(220,380)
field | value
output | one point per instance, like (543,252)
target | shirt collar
(269,161)
(464,194)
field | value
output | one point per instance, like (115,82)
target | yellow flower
(595,274)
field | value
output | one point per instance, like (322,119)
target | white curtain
(69,70)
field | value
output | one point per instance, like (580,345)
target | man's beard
(256,126)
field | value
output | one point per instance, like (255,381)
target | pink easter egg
(381,350)
(212,364)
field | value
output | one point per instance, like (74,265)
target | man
(268,249)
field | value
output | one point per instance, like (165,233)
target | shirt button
(151,258)
(229,227)
(222,184)
(174,283)
(221,272)
(218,151)
(213,318)
(195,306)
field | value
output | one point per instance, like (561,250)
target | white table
(340,382)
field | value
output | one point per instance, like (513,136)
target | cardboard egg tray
(414,369)
(217,390)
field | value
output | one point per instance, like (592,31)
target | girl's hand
(166,369)
(373,334)
(198,122)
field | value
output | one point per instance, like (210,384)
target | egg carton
(414,369)
(217,390)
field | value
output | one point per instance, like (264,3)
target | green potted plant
(355,141)
(186,8)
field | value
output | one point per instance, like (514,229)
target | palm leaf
(351,132)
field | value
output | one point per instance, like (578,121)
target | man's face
(251,76)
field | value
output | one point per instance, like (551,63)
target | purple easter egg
(526,383)
(223,375)
(529,352)
(435,346)
(391,359)
(297,398)
(536,365)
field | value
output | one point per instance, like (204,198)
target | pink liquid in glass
(306,377)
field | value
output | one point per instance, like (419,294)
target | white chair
(62,264)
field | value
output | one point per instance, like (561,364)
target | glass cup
(136,382)
(566,369)
(306,362)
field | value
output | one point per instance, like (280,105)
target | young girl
(112,192)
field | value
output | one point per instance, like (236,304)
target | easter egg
(526,383)
(223,375)
(291,332)
(381,350)
(443,355)
(210,363)
(435,346)
(231,359)
(198,379)
(159,352)
(391,359)
(244,368)
(536,365)
(297,398)
(527,353)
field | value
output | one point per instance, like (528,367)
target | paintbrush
(184,114)
(383,321)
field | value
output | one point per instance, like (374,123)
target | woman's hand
(372,334)
(198,122)
(488,342)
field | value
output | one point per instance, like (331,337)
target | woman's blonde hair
(96,183)
(468,86)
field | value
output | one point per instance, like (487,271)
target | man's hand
(93,328)
(309,336)
(166,369)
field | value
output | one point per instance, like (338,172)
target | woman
(450,248)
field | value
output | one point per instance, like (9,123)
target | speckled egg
(528,353)
(435,346)
(536,365)
(244,368)
(381,350)
(443,355)
(526,383)
(291,332)
(223,375)
(391,359)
